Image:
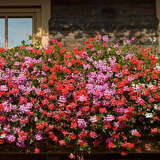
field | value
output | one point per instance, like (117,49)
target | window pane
(2,32)
(18,30)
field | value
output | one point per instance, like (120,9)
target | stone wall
(73,21)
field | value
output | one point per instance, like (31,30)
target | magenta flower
(93,119)
(82,98)
(38,137)
(109,118)
(105,38)
(11,138)
(81,123)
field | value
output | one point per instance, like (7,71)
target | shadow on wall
(73,21)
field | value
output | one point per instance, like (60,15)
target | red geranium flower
(36,151)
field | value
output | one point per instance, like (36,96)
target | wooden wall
(74,20)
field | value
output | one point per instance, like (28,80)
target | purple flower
(20,144)
(78,57)
(139,99)
(14,118)
(109,118)
(36,119)
(134,132)
(130,79)
(101,65)
(25,108)
(126,42)
(82,98)
(16,54)
(105,103)
(93,49)
(126,88)
(108,50)
(118,52)
(86,66)
(38,136)
(7,106)
(89,59)
(29,48)
(11,138)
(108,140)
(129,56)
(105,38)
(93,119)
(78,113)
(116,46)
(68,111)
(47,91)
(82,123)
(16,63)
(116,124)
(120,110)
(3,88)
(74,76)
(16,130)
(62,99)
(100,52)
(112,61)
(21,87)
(44,73)
(89,86)
(84,55)
(118,75)
(7,129)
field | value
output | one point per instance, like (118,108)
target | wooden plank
(46,14)
(19,10)
(86,157)
(6,31)
(20,2)
(158,16)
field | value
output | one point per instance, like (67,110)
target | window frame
(11,14)
(39,10)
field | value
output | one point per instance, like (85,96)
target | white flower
(136,86)
(155,106)
(2,135)
(149,115)
(157,67)
(153,39)
(93,119)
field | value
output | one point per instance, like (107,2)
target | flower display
(103,94)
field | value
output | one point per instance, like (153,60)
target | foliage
(100,95)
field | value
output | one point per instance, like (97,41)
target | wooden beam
(6,31)
(19,2)
(46,14)
(158,16)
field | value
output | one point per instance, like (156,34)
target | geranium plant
(102,94)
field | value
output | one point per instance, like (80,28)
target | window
(15,30)
(2,32)
(19,18)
